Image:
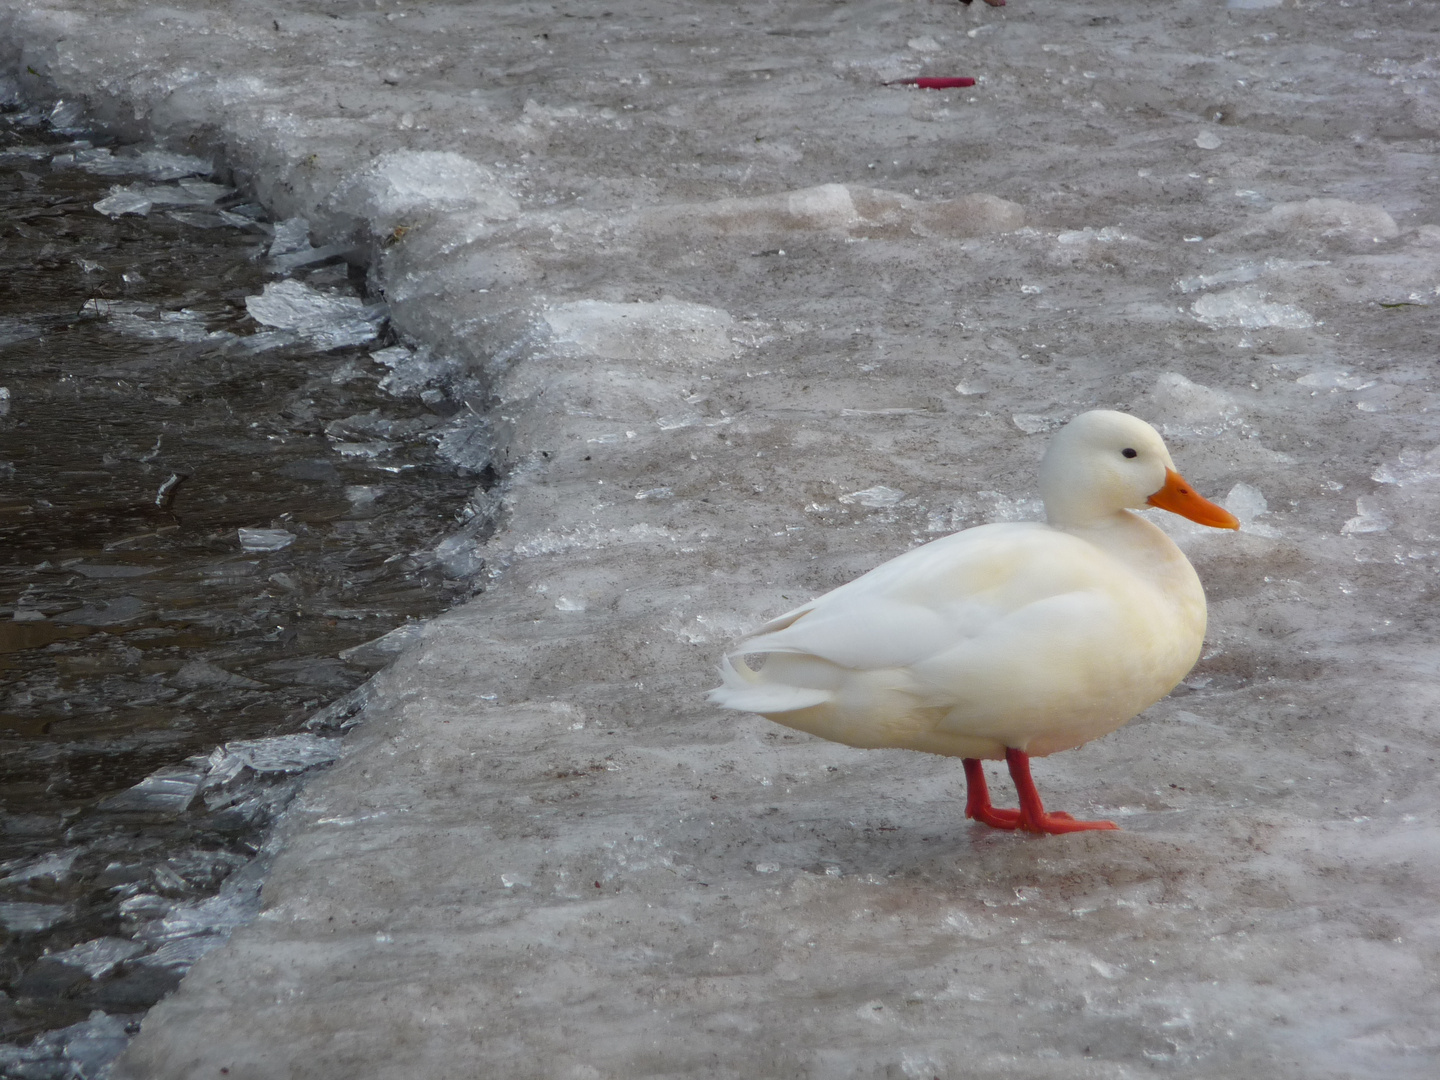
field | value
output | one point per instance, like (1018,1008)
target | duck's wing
(933,598)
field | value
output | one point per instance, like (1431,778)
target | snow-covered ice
(699,249)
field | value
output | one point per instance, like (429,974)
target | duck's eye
(1130,451)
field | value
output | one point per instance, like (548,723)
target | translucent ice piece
(325,319)
(121,610)
(878,497)
(281,754)
(55,866)
(1032,424)
(1248,308)
(198,674)
(121,201)
(90,1046)
(165,791)
(386,647)
(265,539)
(1369,517)
(292,234)
(1336,380)
(407,182)
(21,918)
(100,956)
(1411,467)
(1247,503)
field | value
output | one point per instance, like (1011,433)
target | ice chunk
(1369,517)
(1247,503)
(183,953)
(122,201)
(1238,275)
(1178,406)
(467,443)
(325,319)
(165,791)
(1247,307)
(22,918)
(1108,235)
(667,329)
(154,164)
(405,183)
(1411,467)
(66,117)
(183,325)
(265,539)
(13,330)
(878,497)
(114,613)
(139,198)
(841,208)
(100,956)
(290,247)
(1336,380)
(4,401)
(81,1051)
(1331,218)
(55,866)
(386,647)
(1033,424)
(1208,140)
(199,675)
(91,1046)
(280,754)
(291,235)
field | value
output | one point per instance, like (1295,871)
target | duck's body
(1003,641)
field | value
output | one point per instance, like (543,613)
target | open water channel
(222,482)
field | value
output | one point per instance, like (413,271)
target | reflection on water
(203,522)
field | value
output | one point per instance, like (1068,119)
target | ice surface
(670,249)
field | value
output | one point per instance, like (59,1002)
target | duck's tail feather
(747,691)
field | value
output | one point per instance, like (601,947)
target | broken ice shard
(265,539)
(166,791)
(325,319)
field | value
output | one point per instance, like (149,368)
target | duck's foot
(1032,815)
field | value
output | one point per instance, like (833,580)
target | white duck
(1012,640)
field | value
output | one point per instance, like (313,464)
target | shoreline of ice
(731,358)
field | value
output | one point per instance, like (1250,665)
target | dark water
(137,633)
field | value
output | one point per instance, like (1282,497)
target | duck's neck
(1138,543)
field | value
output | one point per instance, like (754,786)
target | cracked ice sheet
(768,904)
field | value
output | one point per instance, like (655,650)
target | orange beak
(1179,498)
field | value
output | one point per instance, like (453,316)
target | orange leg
(1031,817)
(977,799)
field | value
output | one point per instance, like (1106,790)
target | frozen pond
(209,528)
(748,317)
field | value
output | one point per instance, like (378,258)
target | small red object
(934,83)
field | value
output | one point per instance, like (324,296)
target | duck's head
(1103,462)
